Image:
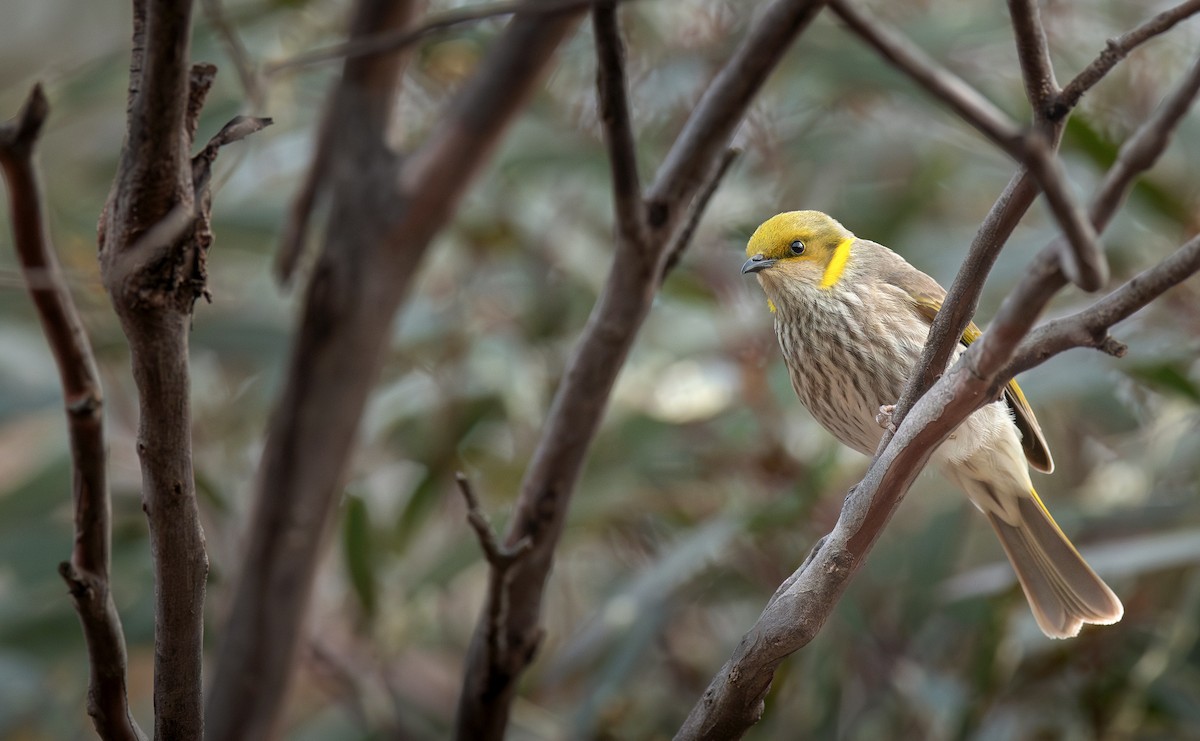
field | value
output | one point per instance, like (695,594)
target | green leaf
(1168,378)
(360,561)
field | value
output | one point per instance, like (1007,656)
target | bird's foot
(884,418)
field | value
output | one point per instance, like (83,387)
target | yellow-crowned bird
(851,317)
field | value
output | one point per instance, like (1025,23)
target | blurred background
(709,482)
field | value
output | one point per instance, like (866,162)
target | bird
(851,318)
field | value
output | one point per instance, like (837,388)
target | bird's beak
(756,263)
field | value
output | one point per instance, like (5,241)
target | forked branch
(797,611)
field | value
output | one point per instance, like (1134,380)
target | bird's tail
(1061,588)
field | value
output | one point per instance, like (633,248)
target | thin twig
(87,572)
(1034,54)
(396,40)
(1116,50)
(683,238)
(618,129)
(501,559)
(238,54)
(1089,328)
(940,82)
(1142,149)
(200,82)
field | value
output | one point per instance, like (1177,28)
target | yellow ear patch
(771,305)
(837,263)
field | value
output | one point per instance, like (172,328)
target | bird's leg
(884,418)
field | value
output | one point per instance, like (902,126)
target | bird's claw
(884,418)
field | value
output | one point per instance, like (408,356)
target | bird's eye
(797,247)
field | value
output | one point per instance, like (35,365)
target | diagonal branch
(1034,54)
(1089,328)
(1088,265)
(87,572)
(1083,261)
(1116,50)
(490,685)
(683,235)
(963,295)
(940,82)
(614,114)
(1142,150)
(796,613)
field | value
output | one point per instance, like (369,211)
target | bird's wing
(928,301)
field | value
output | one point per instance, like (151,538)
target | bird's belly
(843,384)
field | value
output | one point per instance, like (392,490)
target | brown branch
(1089,328)
(1144,147)
(1116,50)
(154,300)
(501,559)
(940,82)
(354,118)
(1088,265)
(1033,52)
(87,572)
(294,232)
(614,114)
(683,236)
(490,682)
(155,151)
(733,701)
(707,132)
(1082,259)
(384,211)
(963,296)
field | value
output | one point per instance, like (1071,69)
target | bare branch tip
(19,134)
(1114,347)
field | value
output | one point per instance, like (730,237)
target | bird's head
(806,246)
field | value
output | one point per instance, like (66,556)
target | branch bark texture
(87,571)
(643,246)
(154,240)
(385,209)
(734,699)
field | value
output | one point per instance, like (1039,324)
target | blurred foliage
(708,483)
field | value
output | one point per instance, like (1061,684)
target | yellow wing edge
(1033,442)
